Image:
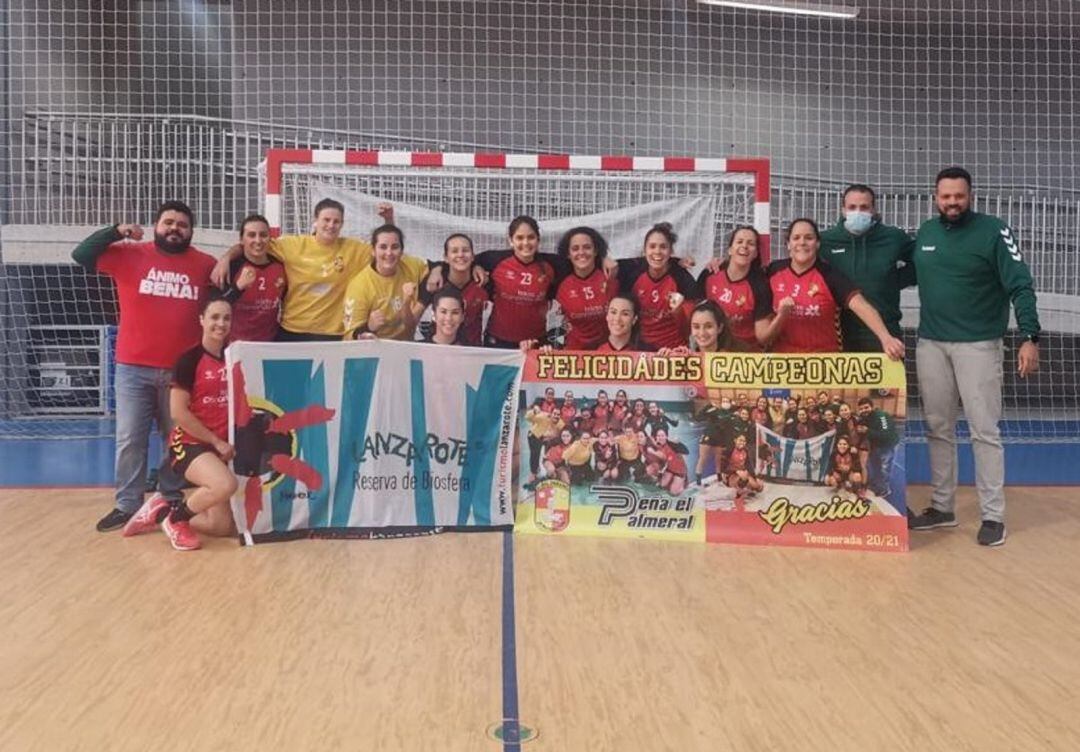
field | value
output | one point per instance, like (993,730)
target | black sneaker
(932,518)
(991,533)
(114,520)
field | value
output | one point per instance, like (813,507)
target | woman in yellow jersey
(578,459)
(382,299)
(544,426)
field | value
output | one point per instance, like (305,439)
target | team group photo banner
(370,439)
(765,449)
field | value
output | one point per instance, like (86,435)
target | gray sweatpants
(967,372)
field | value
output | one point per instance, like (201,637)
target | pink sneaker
(145,519)
(182,537)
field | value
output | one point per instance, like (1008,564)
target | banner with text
(795,450)
(371,439)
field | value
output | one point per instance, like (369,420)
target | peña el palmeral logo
(643,512)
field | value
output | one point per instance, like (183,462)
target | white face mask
(858,222)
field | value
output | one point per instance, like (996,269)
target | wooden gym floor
(114,644)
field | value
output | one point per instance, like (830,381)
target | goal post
(494,187)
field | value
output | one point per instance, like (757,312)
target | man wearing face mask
(875,257)
(160,285)
(970,269)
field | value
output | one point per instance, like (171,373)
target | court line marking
(511,721)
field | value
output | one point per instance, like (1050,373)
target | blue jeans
(880,470)
(142,398)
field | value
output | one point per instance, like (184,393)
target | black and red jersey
(630,346)
(673,460)
(744,301)
(661,326)
(737,460)
(256,310)
(520,293)
(203,375)
(601,416)
(584,302)
(845,463)
(820,292)
(475,297)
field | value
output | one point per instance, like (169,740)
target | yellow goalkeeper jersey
(317,277)
(370,291)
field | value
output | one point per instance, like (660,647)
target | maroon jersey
(820,292)
(601,416)
(568,412)
(660,325)
(549,406)
(619,410)
(202,375)
(845,463)
(673,461)
(630,346)
(584,302)
(744,301)
(475,297)
(520,293)
(555,454)
(256,308)
(737,460)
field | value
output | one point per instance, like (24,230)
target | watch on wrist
(1032,338)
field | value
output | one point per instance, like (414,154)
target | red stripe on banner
(252,500)
(298,469)
(302,418)
(553,162)
(242,411)
(678,164)
(362,157)
(275,158)
(760,168)
(427,159)
(490,160)
(616,163)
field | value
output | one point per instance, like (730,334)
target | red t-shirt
(745,301)
(820,292)
(520,293)
(584,302)
(660,325)
(257,308)
(159,297)
(202,375)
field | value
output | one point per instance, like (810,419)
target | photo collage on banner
(795,450)
(371,439)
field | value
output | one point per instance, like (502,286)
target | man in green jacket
(969,268)
(873,255)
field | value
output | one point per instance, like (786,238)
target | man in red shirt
(160,284)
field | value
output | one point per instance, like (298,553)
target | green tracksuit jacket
(968,272)
(879,263)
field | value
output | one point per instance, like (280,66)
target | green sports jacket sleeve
(1016,280)
(87,252)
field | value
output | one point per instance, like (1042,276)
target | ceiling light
(796,7)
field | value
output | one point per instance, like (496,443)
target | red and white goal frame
(758,168)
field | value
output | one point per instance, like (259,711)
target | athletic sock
(181,513)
